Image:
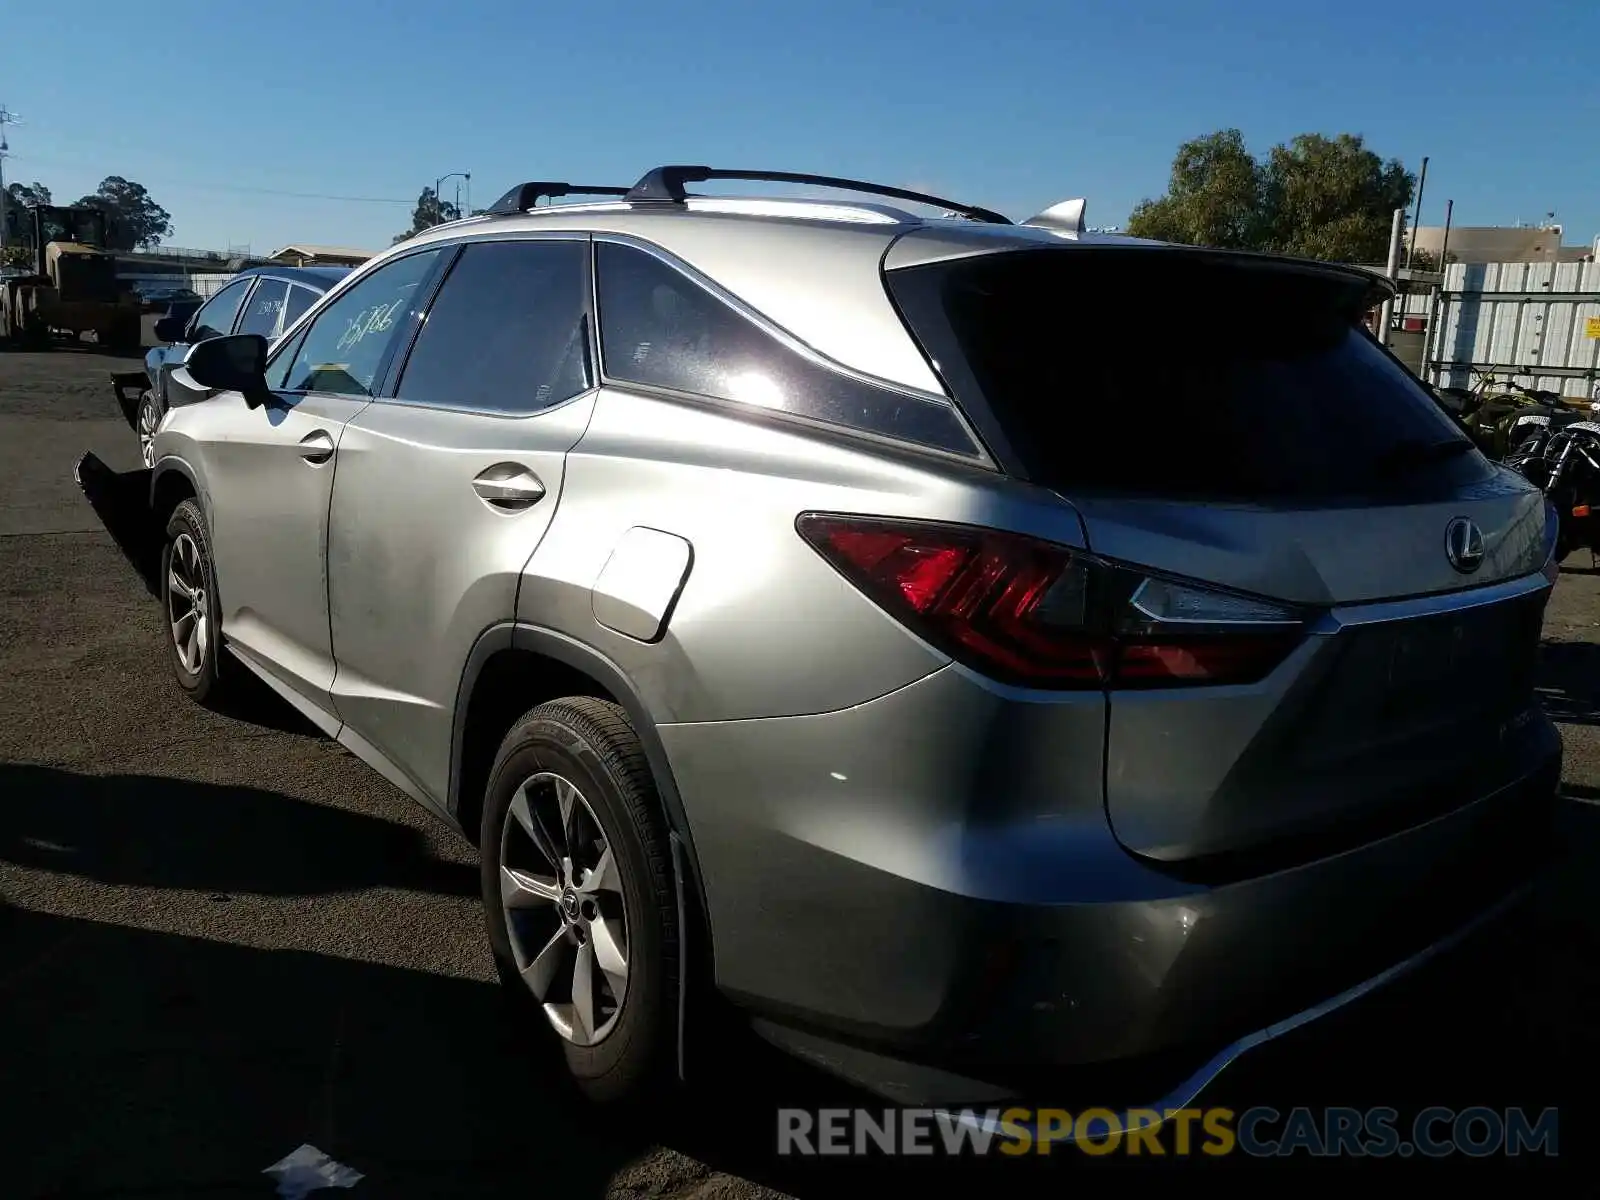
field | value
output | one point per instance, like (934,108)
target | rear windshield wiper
(1418,453)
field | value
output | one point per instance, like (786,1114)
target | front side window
(344,349)
(217,316)
(662,329)
(507,332)
(265,309)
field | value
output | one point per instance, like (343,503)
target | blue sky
(1006,103)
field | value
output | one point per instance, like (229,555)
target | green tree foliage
(24,194)
(18,197)
(1315,196)
(430,211)
(133,219)
(1214,197)
(1420,260)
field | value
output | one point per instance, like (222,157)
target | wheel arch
(172,481)
(515,665)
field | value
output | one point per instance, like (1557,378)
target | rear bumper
(919,922)
(1182,1094)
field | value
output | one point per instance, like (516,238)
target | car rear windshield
(1181,374)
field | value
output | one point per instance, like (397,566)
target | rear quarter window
(660,328)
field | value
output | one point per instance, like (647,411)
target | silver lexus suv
(985,655)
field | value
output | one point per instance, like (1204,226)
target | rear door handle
(508,486)
(316,447)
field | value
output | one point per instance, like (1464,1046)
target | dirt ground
(221,938)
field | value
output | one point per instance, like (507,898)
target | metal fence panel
(1538,323)
(206,284)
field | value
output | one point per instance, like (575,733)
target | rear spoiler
(1066,216)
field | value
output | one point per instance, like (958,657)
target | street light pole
(7,117)
(439,183)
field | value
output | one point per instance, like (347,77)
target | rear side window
(217,317)
(295,306)
(1179,375)
(507,333)
(662,329)
(265,309)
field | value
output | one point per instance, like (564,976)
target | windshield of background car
(216,318)
(1159,373)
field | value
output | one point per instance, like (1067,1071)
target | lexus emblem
(1463,545)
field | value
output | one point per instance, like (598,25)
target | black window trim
(388,393)
(980,457)
(249,290)
(380,379)
(916,294)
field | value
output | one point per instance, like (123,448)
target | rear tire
(145,422)
(588,873)
(189,604)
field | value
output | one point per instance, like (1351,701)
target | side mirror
(171,328)
(231,364)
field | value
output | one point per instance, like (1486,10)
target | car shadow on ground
(147,831)
(121,500)
(158,1064)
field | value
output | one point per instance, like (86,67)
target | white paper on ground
(305,1170)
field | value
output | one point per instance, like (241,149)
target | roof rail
(526,195)
(665,185)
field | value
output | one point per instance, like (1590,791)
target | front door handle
(316,447)
(508,486)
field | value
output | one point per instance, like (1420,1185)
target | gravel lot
(220,938)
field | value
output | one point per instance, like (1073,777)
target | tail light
(1037,614)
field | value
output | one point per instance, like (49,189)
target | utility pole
(1416,221)
(7,117)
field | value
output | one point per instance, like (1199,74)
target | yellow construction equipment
(71,284)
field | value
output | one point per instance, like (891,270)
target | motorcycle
(1498,423)
(1564,463)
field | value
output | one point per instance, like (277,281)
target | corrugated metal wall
(1539,322)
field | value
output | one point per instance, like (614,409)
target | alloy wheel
(188,613)
(148,421)
(561,895)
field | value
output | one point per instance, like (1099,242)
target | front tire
(189,603)
(578,894)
